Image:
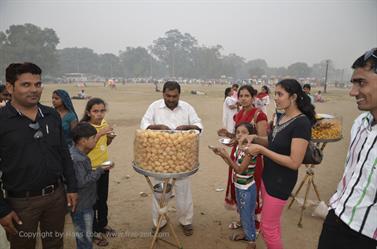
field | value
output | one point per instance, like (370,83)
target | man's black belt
(49,189)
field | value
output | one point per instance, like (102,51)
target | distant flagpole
(327,69)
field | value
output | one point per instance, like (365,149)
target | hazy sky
(281,32)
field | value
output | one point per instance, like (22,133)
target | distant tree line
(173,55)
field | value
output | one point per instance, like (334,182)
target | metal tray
(163,175)
(327,140)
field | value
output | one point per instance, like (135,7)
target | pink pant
(270,220)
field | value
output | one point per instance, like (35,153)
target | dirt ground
(130,214)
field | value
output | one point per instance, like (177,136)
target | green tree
(207,62)
(299,69)
(109,66)
(137,62)
(31,43)
(232,65)
(78,60)
(256,72)
(176,51)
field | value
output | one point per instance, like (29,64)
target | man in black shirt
(34,159)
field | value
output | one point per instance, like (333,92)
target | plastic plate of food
(225,140)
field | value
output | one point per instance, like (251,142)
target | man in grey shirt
(84,138)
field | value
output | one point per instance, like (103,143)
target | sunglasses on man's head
(370,53)
(35,126)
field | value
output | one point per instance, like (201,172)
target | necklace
(278,128)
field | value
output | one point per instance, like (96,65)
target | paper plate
(225,140)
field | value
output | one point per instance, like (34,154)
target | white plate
(323,115)
(225,140)
(106,163)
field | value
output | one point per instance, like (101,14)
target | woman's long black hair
(303,101)
(266,89)
(91,102)
(227,91)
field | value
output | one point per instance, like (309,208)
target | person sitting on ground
(318,97)
(81,95)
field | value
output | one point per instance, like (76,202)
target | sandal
(237,236)
(251,245)
(109,232)
(100,240)
(234,225)
(187,229)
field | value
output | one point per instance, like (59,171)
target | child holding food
(95,111)
(244,167)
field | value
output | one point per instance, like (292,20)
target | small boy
(84,138)
(307,88)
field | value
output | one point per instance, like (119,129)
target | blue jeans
(246,202)
(83,223)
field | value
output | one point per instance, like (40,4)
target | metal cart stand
(167,178)
(309,178)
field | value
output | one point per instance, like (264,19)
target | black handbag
(313,154)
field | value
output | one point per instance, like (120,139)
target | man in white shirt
(170,113)
(352,219)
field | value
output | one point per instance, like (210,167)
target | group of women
(264,160)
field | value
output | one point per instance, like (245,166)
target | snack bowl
(166,151)
(328,127)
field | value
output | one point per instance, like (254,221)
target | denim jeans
(83,223)
(246,202)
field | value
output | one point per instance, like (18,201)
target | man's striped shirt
(355,201)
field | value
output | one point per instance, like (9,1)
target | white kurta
(262,103)
(228,114)
(183,114)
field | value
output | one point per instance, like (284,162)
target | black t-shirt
(280,180)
